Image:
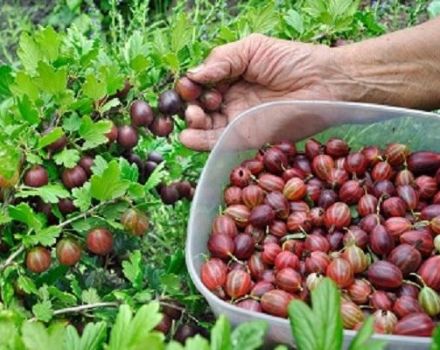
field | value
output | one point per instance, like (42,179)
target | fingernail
(197,69)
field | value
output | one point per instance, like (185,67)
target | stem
(80,308)
(82,215)
(11,258)
(181,309)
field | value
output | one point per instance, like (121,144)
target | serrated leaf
(68,158)
(90,296)
(302,323)
(221,334)
(197,343)
(4,217)
(92,337)
(46,237)
(109,185)
(51,80)
(43,311)
(94,87)
(51,193)
(181,32)
(6,80)
(24,85)
(38,337)
(27,110)
(156,177)
(65,298)
(136,191)
(114,102)
(49,42)
(82,197)
(71,123)
(129,171)
(29,52)
(294,20)
(26,284)
(50,137)
(132,269)
(25,214)
(99,165)
(249,336)
(10,158)
(94,133)
(173,345)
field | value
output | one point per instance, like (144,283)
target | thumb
(224,62)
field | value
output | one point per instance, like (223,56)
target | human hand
(259,69)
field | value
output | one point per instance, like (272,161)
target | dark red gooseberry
(255,166)
(250,305)
(381,242)
(313,148)
(316,243)
(356,257)
(337,216)
(185,189)
(336,147)
(289,280)
(170,102)
(299,221)
(384,188)
(356,163)
(260,288)
(135,222)
(382,171)
(340,271)
(406,258)
(370,221)
(295,206)
(58,144)
(38,259)
(141,113)
(430,212)
(380,300)
(221,246)
(127,136)
(187,89)
(213,273)
(335,240)
(68,252)
(112,135)
(394,206)
(278,228)
(367,204)
(275,160)
(430,272)
(164,325)
(293,172)
(406,305)
(162,126)
(233,195)
(268,276)
(244,246)
(275,302)
(261,216)
(351,192)
(317,262)
(420,239)
(337,177)
(427,186)
(278,203)
(86,162)
(270,252)
(271,183)
(372,154)
(302,162)
(356,236)
(322,166)
(359,291)
(253,196)
(240,176)
(169,194)
(288,148)
(257,266)
(436,199)
(423,162)
(327,198)
(408,290)
(271,239)
(256,232)
(409,196)
(396,153)
(99,241)
(416,324)
(286,259)
(397,225)
(295,246)
(66,206)
(239,213)
(211,100)
(74,177)
(36,176)
(340,163)
(238,283)
(385,275)
(404,177)
(317,216)
(294,189)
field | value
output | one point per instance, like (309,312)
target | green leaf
(94,87)
(92,338)
(94,133)
(90,296)
(10,158)
(181,32)
(132,269)
(362,339)
(82,197)
(109,185)
(51,80)
(249,336)
(65,298)
(302,323)
(281,347)
(294,20)
(129,171)
(26,284)
(71,123)
(49,193)
(221,334)
(99,165)
(197,343)
(25,214)
(38,337)
(434,8)
(155,177)
(29,52)
(5,80)
(46,236)
(68,158)
(114,102)
(25,85)
(173,345)
(50,137)
(27,110)
(43,311)
(49,41)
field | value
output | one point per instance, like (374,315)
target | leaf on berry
(68,158)
(49,193)
(90,296)
(71,123)
(27,110)
(50,137)
(82,197)
(155,177)
(93,133)
(26,284)
(92,337)
(25,214)
(43,311)
(47,237)
(109,185)
(132,269)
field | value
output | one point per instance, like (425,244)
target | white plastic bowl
(360,124)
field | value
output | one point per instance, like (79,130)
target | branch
(11,258)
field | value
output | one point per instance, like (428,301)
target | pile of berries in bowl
(368,219)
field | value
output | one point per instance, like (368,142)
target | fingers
(225,62)
(200,140)
(196,118)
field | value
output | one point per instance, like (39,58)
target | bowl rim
(189,258)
